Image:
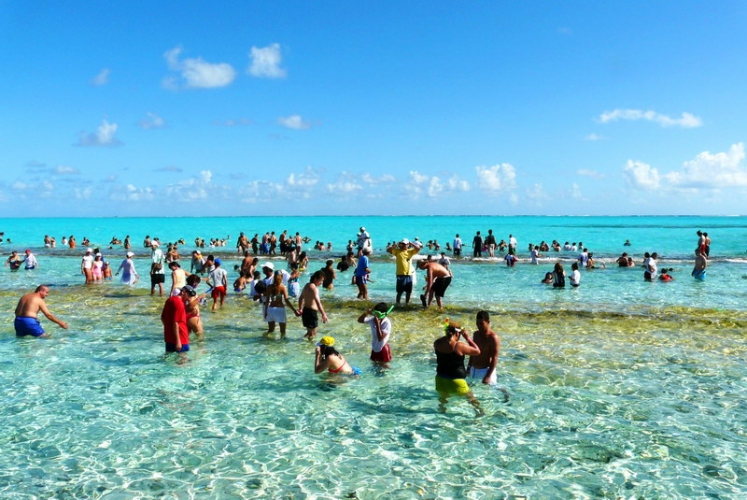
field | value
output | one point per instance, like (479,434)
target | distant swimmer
(14,261)
(27,312)
(627,243)
(699,271)
(665,276)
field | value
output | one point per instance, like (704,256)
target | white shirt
(386,328)
(575,278)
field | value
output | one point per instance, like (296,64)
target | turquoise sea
(618,389)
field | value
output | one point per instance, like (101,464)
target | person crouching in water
(327,358)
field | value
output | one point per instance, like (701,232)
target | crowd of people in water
(273,288)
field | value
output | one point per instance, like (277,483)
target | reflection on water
(618,390)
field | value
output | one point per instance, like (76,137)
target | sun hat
(130,254)
(269,265)
(190,290)
(405,241)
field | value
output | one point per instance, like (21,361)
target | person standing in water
(27,312)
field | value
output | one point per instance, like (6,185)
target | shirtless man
(437,280)
(27,311)
(699,271)
(310,305)
(482,366)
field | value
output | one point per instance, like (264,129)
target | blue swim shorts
(28,326)
(172,347)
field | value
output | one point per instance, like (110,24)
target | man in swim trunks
(482,366)
(310,305)
(699,271)
(157,276)
(27,312)
(437,280)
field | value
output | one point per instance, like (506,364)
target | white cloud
(576,192)
(433,186)
(307,179)
(497,178)
(131,193)
(537,193)
(63,170)
(197,73)
(152,121)
(686,120)
(83,193)
(266,62)
(712,171)
(206,176)
(641,175)
(104,136)
(102,78)
(294,122)
(707,171)
(373,181)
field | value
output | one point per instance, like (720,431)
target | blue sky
(383,108)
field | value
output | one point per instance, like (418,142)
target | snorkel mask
(382,315)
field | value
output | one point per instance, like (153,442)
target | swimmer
(450,371)
(27,312)
(311,306)
(327,358)
(701,262)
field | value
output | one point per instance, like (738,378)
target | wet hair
(330,262)
(483,316)
(260,287)
(328,350)
(319,275)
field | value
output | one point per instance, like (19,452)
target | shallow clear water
(619,389)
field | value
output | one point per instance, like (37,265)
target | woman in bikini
(192,306)
(277,298)
(327,358)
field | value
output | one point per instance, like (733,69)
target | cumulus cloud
(345,185)
(294,122)
(102,78)
(496,179)
(132,193)
(104,136)
(641,175)
(197,73)
(576,192)
(707,170)
(434,186)
(536,193)
(152,121)
(265,62)
(686,120)
(712,171)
